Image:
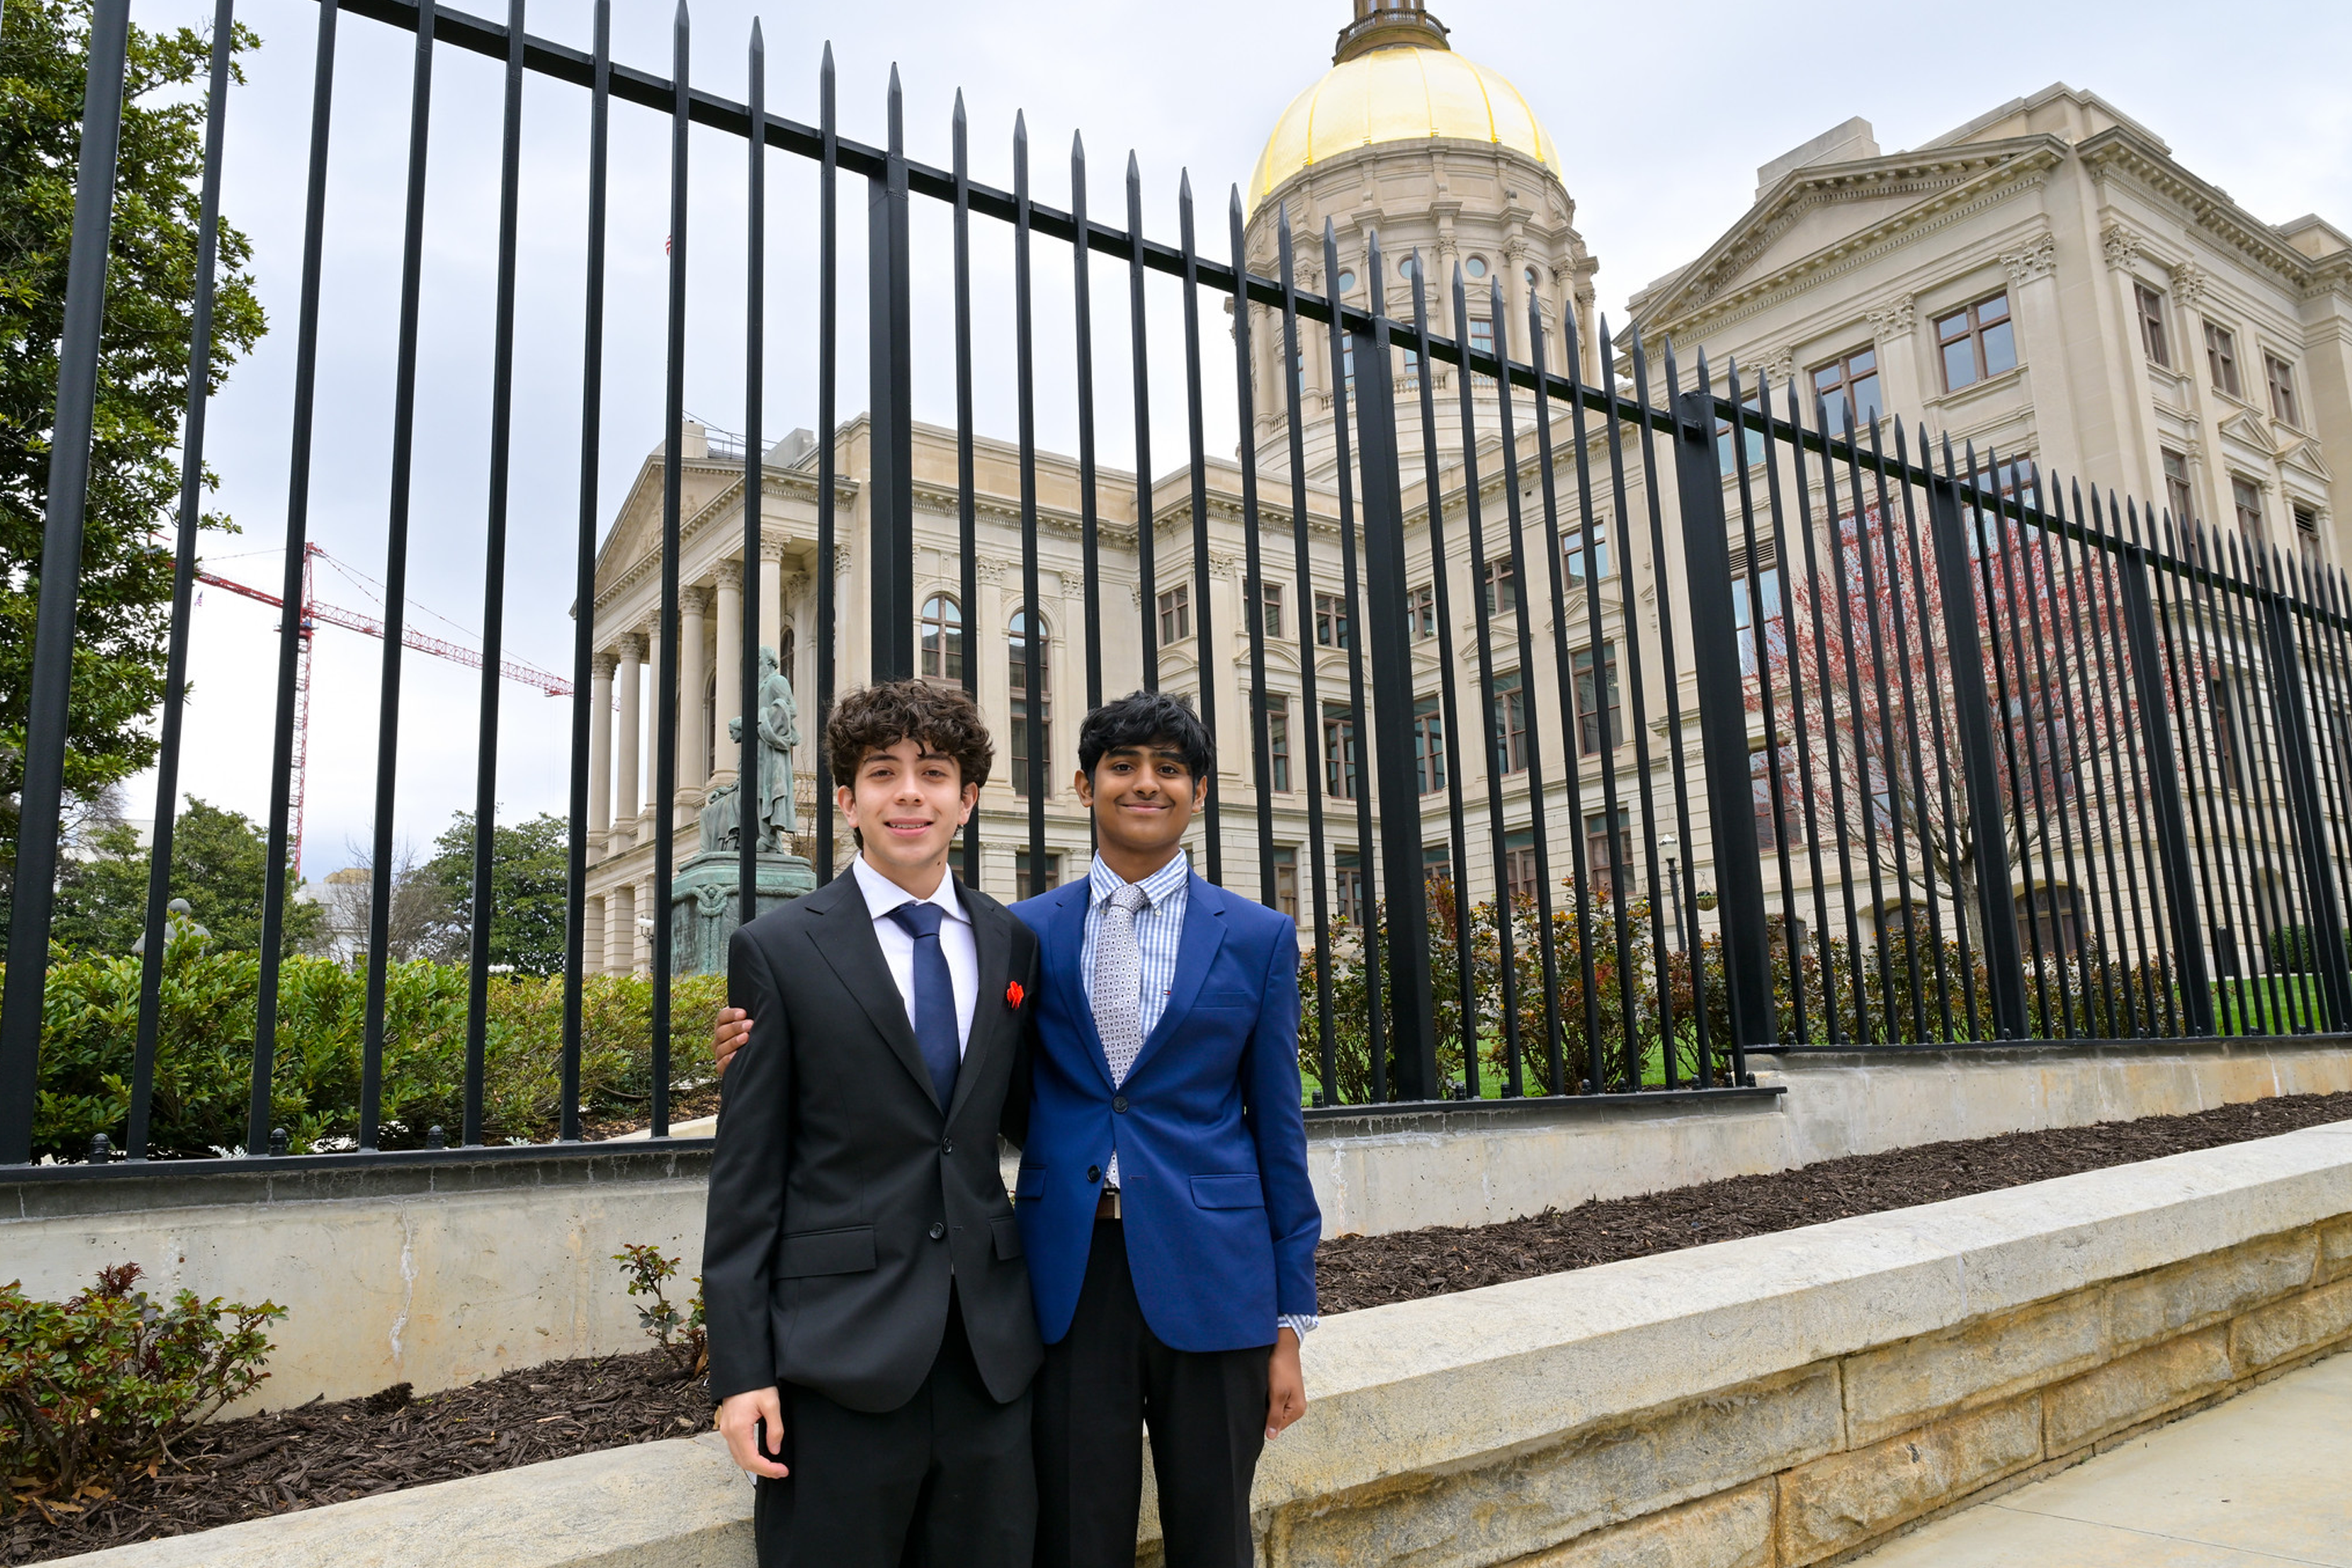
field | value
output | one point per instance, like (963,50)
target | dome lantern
(1389,25)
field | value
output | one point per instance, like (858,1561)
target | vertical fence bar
(1523,619)
(1146,567)
(1082,295)
(2025,636)
(2219,702)
(1490,735)
(1441,564)
(404,431)
(583,581)
(1033,646)
(1980,770)
(1204,641)
(1875,770)
(2323,910)
(1388,638)
(1776,780)
(1930,831)
(2153,969)
(2099,986)
(1723,727)
(666,723)
(1252,565)
(749,793)
(828,288)
(494,586)
(295,577)
(1353,760)
(889,546)
(2163,799)
(2254,773)
(1890,545)
(1309,729)
(183,575)
(42,791)
(2173,618)
(2114,710)
(1825,695)
(1857,742)
(2304,840)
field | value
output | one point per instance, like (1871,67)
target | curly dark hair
(941,718)
(1147,718)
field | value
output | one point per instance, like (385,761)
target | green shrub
(205,1049)
(680,1334)
(95,1388)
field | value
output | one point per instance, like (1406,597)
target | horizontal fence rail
(1602,718)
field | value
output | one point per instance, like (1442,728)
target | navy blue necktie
(935,1003)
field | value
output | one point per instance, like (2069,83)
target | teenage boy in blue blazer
(1163,1202)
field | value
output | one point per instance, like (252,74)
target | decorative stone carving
(990,573)
(1778,364)
(603,665)
(1893,318)
(2189,282)
(2038,258)
(2121,243)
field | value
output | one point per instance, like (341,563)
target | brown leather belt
(1107,1207)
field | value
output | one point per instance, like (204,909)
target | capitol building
(2046,281)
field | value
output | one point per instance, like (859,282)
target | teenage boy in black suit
(872,1336)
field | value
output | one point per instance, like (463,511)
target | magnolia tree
(1858,675)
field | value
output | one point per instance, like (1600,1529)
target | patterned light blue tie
(935,1003)
(1118,989)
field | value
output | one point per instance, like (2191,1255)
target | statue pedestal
(704,906)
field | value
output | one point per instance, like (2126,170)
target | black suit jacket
(843,1203)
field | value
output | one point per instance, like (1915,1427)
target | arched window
(1017,647)
(940,656)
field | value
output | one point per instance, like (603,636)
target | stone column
(631,652)
(642,947)
(652,635)
(600,751)
(592,935)
(728,608)
(771,600)
(620,929)
(693,743)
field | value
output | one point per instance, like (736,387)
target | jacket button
(1094,1173)
(1118,1103)
(938,1230)
(947,1146)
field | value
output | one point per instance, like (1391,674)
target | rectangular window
(2306,529)
(1331,620)
(2176,493)
(2152,337)
(1176,615)
(1421,610)
(1339,753)
(1017,685)
(1848,387)
(1408,379)
(1743,612)
(1429,745)
(1596,702)
(1750,438)
(1437,864)
(1502,586)
(1030,886)
(2247,497)
(1285,881)
(1268,600)
(1348,873)
(1572,553)
(1976,342)
(1519,872)
(1768,835)
(2221,358)
(1277,739)
(1482,340)
(1597,848)
(1510,724)
(2281,376)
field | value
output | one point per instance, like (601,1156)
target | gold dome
(1400,95)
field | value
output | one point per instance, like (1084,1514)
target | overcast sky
(1660,131)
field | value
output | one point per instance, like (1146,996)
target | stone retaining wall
(1776,1401)
(441,1269)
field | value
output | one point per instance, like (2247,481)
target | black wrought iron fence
(1587,766)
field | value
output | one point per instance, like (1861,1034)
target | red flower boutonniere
(1012,995)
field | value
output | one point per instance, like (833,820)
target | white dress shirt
(956,941)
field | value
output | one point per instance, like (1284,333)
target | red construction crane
(515,669)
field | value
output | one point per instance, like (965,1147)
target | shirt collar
(1102,881)
(883,895)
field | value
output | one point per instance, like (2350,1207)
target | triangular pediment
(2304,455)
(1822,210)
(2246,425)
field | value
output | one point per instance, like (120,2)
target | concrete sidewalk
(2265,1478)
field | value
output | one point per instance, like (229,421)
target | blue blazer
(1221,1222)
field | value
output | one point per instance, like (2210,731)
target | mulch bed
(320,1453)
(1357,1271)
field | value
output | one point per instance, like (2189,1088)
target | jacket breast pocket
(1007,1232)
(1225,1002)
(1241,1192)
(1030,1182)
(848,1250)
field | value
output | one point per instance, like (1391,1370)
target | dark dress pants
(1108,1379)
(946,1479)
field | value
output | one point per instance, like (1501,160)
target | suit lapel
(1065,947)
(992,941)
(848,946)
(1204,933)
